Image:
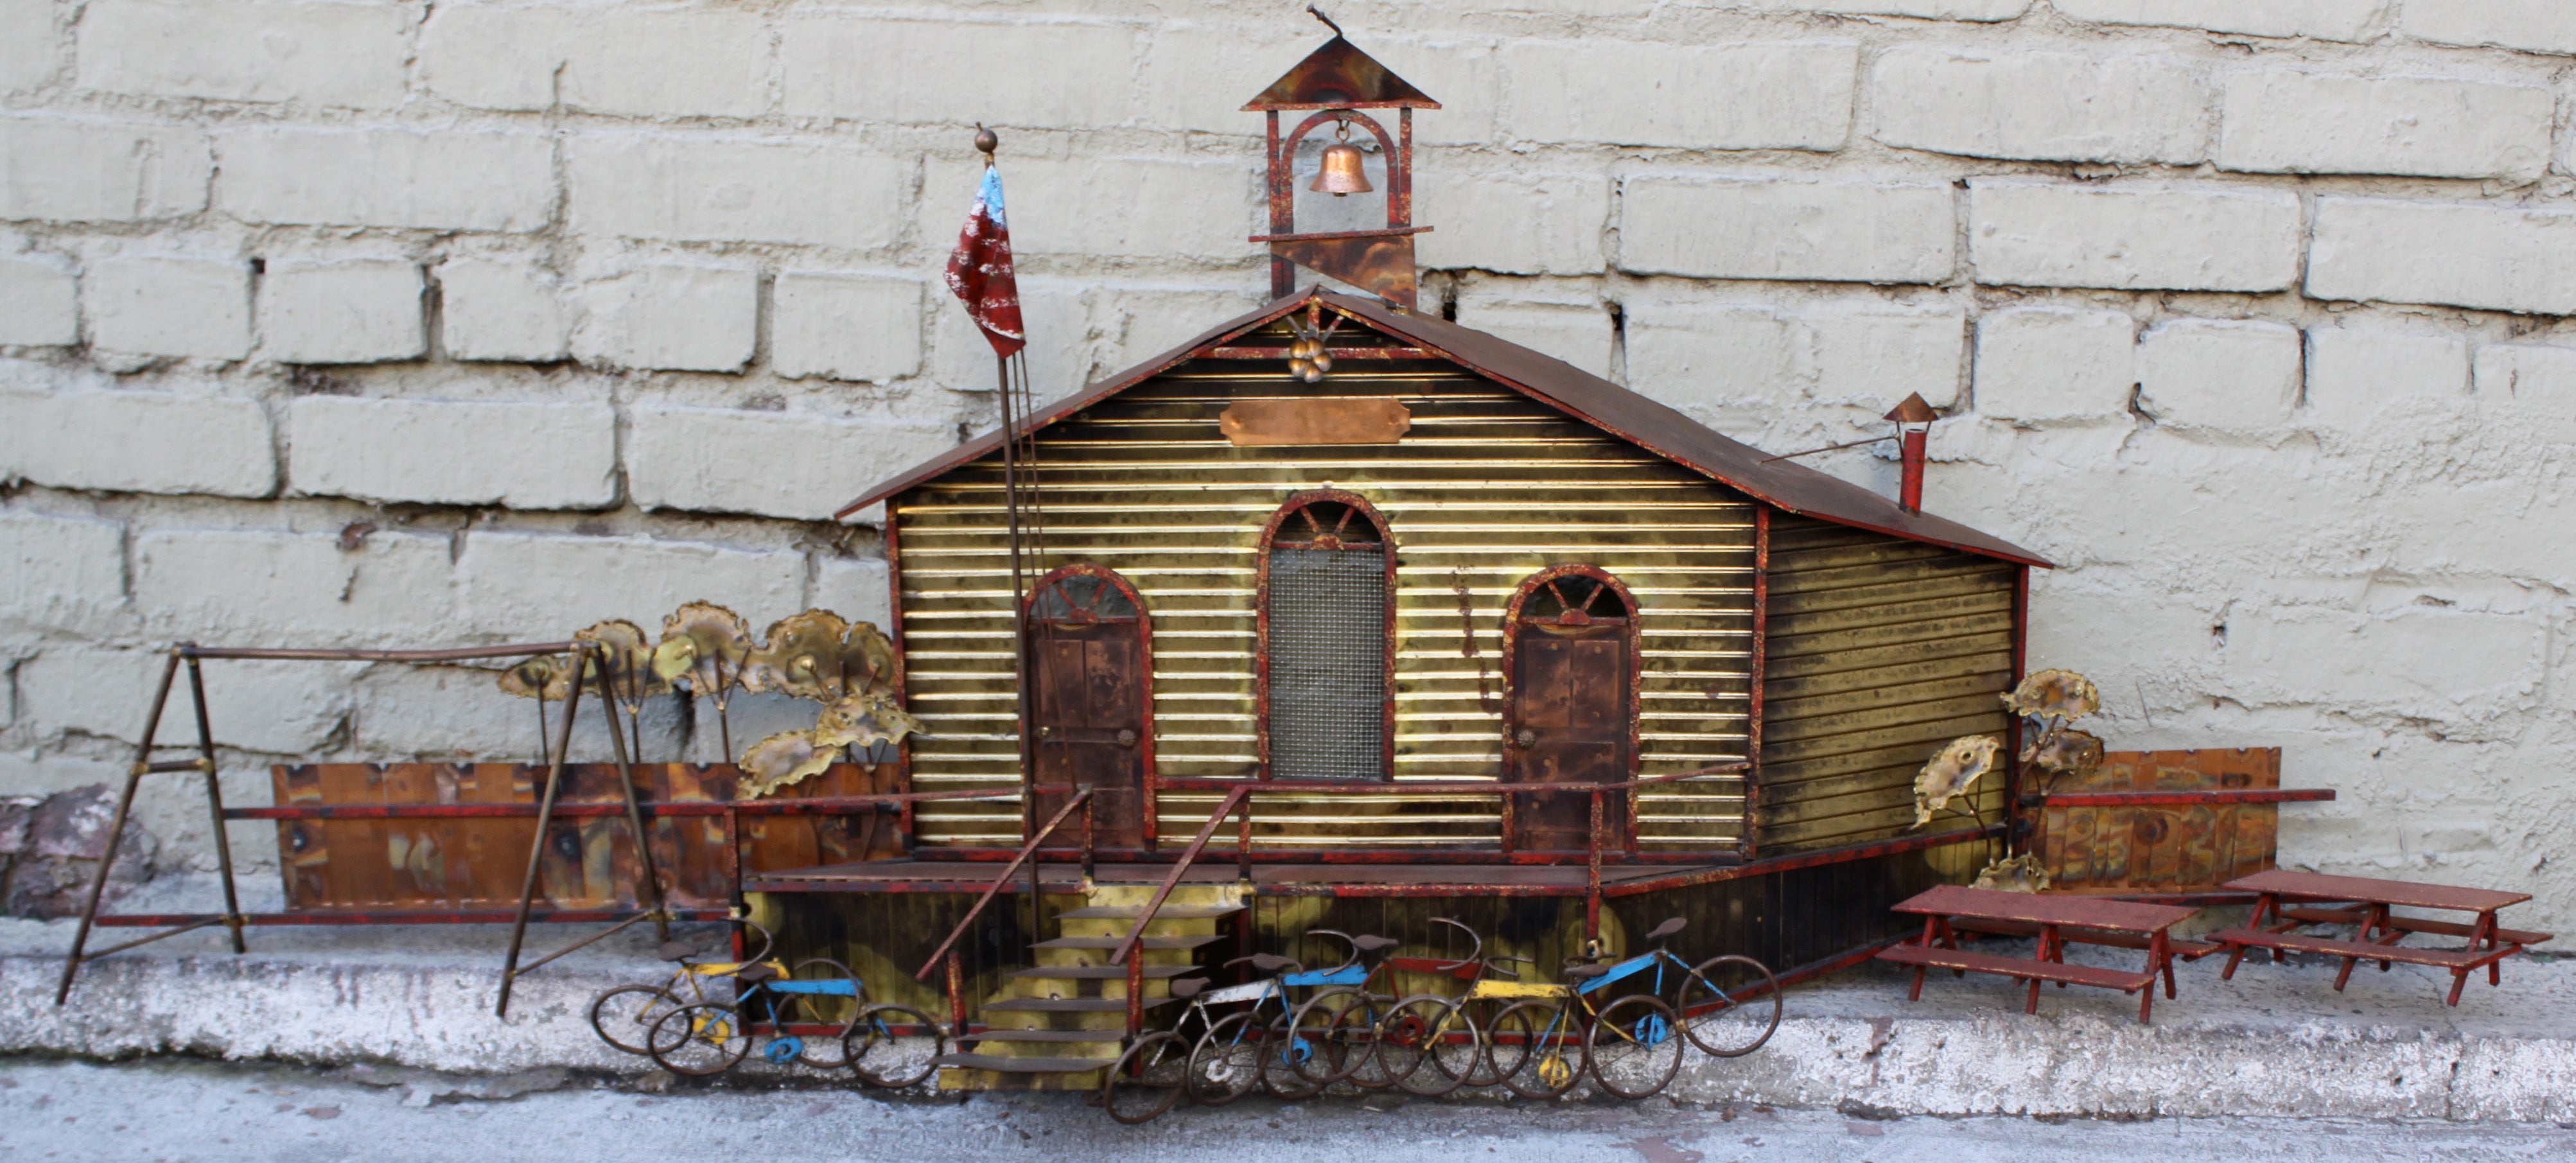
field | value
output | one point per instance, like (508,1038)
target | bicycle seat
(755,974)
(1271,962)
(1371,944)
(677,951)
(1668,928)
(1188,987)
(1585,972)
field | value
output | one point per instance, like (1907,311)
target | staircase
(1059,1023)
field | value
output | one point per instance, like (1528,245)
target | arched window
(1327,623)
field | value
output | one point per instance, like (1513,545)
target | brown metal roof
(1654,427)
(1340,76)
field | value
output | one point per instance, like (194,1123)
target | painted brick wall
(391,323)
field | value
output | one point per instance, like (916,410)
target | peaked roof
(1785,485)
(1340,76)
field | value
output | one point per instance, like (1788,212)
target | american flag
(979,270)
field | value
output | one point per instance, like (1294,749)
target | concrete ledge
(2277,1041)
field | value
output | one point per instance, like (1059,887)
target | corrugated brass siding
(1881,650)
(1486,489)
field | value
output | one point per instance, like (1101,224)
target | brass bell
(1343,171)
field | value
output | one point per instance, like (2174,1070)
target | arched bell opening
(1571,665)
(1091,702)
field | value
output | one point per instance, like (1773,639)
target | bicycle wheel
(1635,1046)
(1225,1064)
(1357,1028)
(1551,1054)
(1493,1060)
(1713,1017)
(836,1012)
(1331,1052)
(1428,1045)
(1283,1063)
(880,1057)
(698,1040)
(624,1016)
(1147,1080)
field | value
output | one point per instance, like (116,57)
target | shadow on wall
(50,848)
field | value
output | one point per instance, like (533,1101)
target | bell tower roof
(1340,76)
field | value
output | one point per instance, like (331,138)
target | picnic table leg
(2236,953)
(2486,928)
(1950,941)
(2379,914)
(1916,993)
(2160,960)
(2047,939)
(2460,981)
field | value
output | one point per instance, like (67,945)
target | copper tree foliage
(846,666)
(2055,698)
(1952,772)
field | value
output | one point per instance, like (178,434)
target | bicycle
(717,1034)
(1632,1045)
(1231,1053)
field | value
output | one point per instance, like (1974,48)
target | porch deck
(1426,880)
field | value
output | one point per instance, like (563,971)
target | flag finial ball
(986,141)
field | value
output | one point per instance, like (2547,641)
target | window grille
(1327,645)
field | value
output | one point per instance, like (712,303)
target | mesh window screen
(1327,663)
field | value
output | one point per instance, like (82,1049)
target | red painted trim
(1512,622)
(399,917)
(1749,845)
(1147,784)
(2013,818)
(1261,621)
(2139,799)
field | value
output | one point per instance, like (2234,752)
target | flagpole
(986,141)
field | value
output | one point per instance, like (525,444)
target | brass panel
(1335,420)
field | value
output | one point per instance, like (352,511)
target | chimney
(1913,419)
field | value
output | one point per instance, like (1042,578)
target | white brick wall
(660,186)
(2208,373)
(169,305)
(39,300)
(2356,374)
(495,309)
(2320,19)
(845,326)
(388,177)
(2061,106)
(28,44)
(2321,123)
(144,442)
(351,311)
(716,460)
(1764,228)
(1787,95)
(683,318)
(2180,236)
(2048,363)
(2029,212)
(99,171)
(522,455)
(2461,254)
(260,50)
(2537,25)
(912,74)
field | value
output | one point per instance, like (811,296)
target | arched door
(1570,654)
(1091,700)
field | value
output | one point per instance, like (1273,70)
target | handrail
(1489,788)
(817,805)
(1233,800)
(1081,796)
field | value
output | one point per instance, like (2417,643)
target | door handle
(1525,739)
(1126,737)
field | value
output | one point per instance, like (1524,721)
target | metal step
(1101,972)
(1166,913)
(1155,943)
(1047,1036)
(1069,1005)
(1004,1064)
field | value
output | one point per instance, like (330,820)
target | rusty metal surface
(1339,75)
(1950,900)
(1487,488)
(473,863)
(1328,420)
(1650,426)
(2159,847)
(1878,652)
(2407,893)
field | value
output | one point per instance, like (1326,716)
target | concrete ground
(198,1111)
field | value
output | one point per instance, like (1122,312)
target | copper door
(1570,714)
(1087,678)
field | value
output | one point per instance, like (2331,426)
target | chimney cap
(1913,410)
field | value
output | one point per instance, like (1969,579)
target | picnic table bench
(2056,921)
(2365,903)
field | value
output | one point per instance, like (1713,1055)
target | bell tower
(1336,82)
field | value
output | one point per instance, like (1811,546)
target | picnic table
(2056,921)
(2287,901)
